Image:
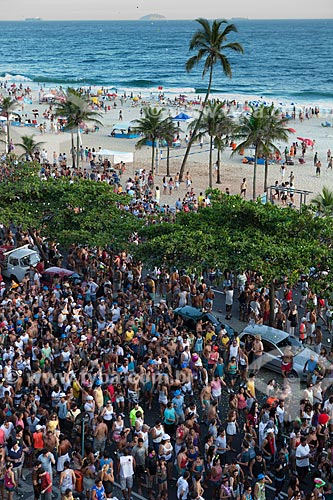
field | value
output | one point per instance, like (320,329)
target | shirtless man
(63,449)
(172,349)
(100,435)
(205,398)
(133,388)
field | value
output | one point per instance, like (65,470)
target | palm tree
(77,110)
(324,201)
(259,130)
(29,146)
(149,126)
(217,125)
(7,108)
(225,130)
(168,131)
(209,41)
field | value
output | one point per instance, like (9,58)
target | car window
(268,346)
(14,262)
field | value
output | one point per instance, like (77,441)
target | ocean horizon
(284,60)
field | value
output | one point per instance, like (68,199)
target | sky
(172,9)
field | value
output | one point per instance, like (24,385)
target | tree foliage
(261,130)
(81,211)
(238,235)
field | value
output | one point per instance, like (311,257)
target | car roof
(266,332)
(20,252)
(58,270)
(189,312)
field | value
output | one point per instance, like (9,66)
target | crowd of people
(100,384)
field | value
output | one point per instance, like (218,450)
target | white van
(16,263)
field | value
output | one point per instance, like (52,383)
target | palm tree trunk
(196,128)
(271,303)
(168,161)
(73,154)
(152,156)
(266,174)
(218,175)
(211,162)
(254,175)
(78,147)
(8,133)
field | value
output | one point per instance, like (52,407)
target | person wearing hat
(89,406)
(178,403)
(38,440)
(260,486)
(303,330)
(62,406)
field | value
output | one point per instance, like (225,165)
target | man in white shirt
(302,458)
(126,468)
(183,486)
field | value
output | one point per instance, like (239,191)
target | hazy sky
(171,9)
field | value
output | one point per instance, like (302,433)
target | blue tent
(182,117)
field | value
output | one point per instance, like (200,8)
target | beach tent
(182,117)
(118,155)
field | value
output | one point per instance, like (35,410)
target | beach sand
(232,168)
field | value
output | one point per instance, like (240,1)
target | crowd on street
(102,383)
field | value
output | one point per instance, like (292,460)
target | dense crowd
(102,384)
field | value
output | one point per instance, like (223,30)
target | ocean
(284,60)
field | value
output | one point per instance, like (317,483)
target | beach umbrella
(323,418)
(308,142)
(182,117)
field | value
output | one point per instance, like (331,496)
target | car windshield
(295,345)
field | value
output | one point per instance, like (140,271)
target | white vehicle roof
(20,252)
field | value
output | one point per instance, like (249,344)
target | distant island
(32,19)
(152,17)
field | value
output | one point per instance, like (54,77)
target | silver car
(274,342)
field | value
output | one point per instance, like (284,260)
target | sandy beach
(232,168)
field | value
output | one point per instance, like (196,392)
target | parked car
(16,262)
(274,342)
(191,316)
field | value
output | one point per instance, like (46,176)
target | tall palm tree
(324,201)
(209,124)
(209,41)
(29,146)
(77,110)
(259,130)
(149,126)
(7,108)
(168,131)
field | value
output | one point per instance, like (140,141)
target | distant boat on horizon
(32,19)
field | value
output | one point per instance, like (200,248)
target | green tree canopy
(80,211)
(239,235)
